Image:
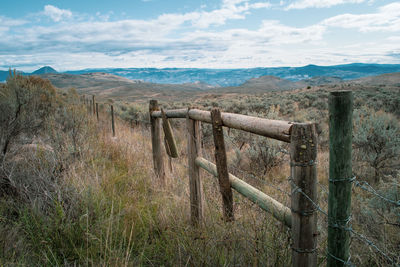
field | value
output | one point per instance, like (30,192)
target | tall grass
(82,197)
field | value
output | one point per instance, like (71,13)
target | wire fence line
(345,224)
(342,224)
(367,187)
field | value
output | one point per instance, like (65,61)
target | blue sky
(70,35)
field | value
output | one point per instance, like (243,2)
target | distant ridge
(236,77)
(44,70)
(207,78)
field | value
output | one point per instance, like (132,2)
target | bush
(25,104)
(376,140)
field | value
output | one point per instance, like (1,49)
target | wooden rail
(279,130)
(301,217)
(267,203)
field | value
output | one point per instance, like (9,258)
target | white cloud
(260,5)
(229,10)
(56,14)
(8,22)
(191,40)
(386,19)
(302,4)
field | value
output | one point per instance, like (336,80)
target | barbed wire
(371,190)
(341,224)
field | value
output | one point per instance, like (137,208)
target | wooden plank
(169,136)
(194,150)
(172,113)
(158,161)
(275,129)
(265,202)
(112,121)
(221,162)
(303,154)
(340,176)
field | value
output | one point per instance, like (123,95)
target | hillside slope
(112,86)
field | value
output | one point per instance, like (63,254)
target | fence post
(194,151)
(303,171)
(156,142)
(97,111)
(169,136)
(112,121)
(94,105)
(340,177)
(220,160)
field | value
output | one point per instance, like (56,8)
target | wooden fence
(301,216)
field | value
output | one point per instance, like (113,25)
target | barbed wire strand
(344,223)
(371,190)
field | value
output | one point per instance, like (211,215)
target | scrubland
(71,194)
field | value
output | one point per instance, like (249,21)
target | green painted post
(340,177)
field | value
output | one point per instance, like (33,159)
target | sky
(73,35)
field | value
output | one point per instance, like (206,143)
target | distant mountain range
(235,77)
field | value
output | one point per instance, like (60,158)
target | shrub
(25,103)
(376,140)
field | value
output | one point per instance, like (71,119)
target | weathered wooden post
(87,104)
(340,177)
(132,124)
(97,111)
(221,162)
(169,136)
(303,154)
(94,105)
(112,121)
(156,142)
(194,151)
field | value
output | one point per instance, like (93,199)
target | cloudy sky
(72,34)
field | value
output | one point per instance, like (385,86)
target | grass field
(71,194)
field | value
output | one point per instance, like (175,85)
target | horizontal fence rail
(279,130)
(267,203)
(301,217)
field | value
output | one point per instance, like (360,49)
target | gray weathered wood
(303,154)
(340,176)
(265,202)
(97,111)
(194,151)
(94,105)
(169,136)
(172,113)
(112,121)
(158,161)
(221,162)
(276,129)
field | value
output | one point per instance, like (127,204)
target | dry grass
(109,209)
